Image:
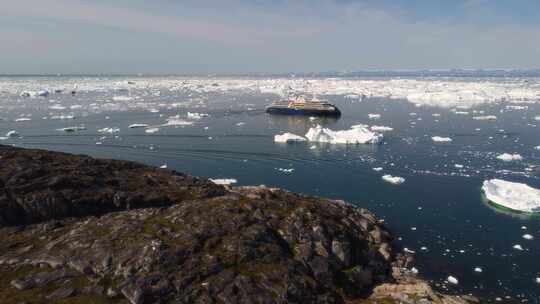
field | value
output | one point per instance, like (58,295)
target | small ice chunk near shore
(12,134)
(441,139)
(396,180)
(223,181)
(515,196)
(288,138)
(507,157)
(359,134)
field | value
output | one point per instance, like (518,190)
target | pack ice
(515,196)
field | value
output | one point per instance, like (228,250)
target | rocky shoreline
(76,229)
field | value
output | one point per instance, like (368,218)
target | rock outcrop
(81,230)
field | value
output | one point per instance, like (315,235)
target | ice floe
(356,135)
(109,130)
(374,116)
(396,180)
(441,139)
(528,236)
(223,181)
(507,157)
(515,196)
(151,130)
(518,247)
(288,138)
(22,119)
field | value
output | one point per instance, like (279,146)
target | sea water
(438,212)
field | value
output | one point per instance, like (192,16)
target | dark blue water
(439,206)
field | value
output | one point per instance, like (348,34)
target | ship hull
(304,112)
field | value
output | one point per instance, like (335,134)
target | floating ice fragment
(509,157)
(109,130)
(528,237)
(518,247)
(356,135)
(538,280)
(537,148)
(407,250)
(22,119)
(478,269)
(414,270)
(196,115)
(381,128)
(288,138)
(458,166)
(452,280)
(240,124)
(72,129)
(374,116)
(515,196)
(151,130)
(441,139)
(12,134)
(537,118)
(223,181)
(176,121)
(57,107)
(122,98)
(137,125)
(396,180)
(164,166)
(485,117)
(377,169)
(62,117)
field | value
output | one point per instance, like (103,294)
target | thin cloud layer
(236,36)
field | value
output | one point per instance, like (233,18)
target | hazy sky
(240,36)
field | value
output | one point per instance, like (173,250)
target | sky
(275,36)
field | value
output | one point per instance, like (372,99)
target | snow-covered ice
(528,236)
(355,135)
(515,196)
(288,138)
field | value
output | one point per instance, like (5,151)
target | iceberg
(507,157)
(511,195)
(441,139)
(356,135)
(396,180)
(288,138)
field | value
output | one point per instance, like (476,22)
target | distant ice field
(443,136)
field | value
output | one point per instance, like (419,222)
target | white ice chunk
(377,169)
(515,196)
(374,116)
(288,138)
(509,157)
(223,181)
(22,119)
(518,247)
(441,139)
(177,121)
(356,135)
(109,130)
(528,236)
(396,180)
(478,269)
(452,280)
